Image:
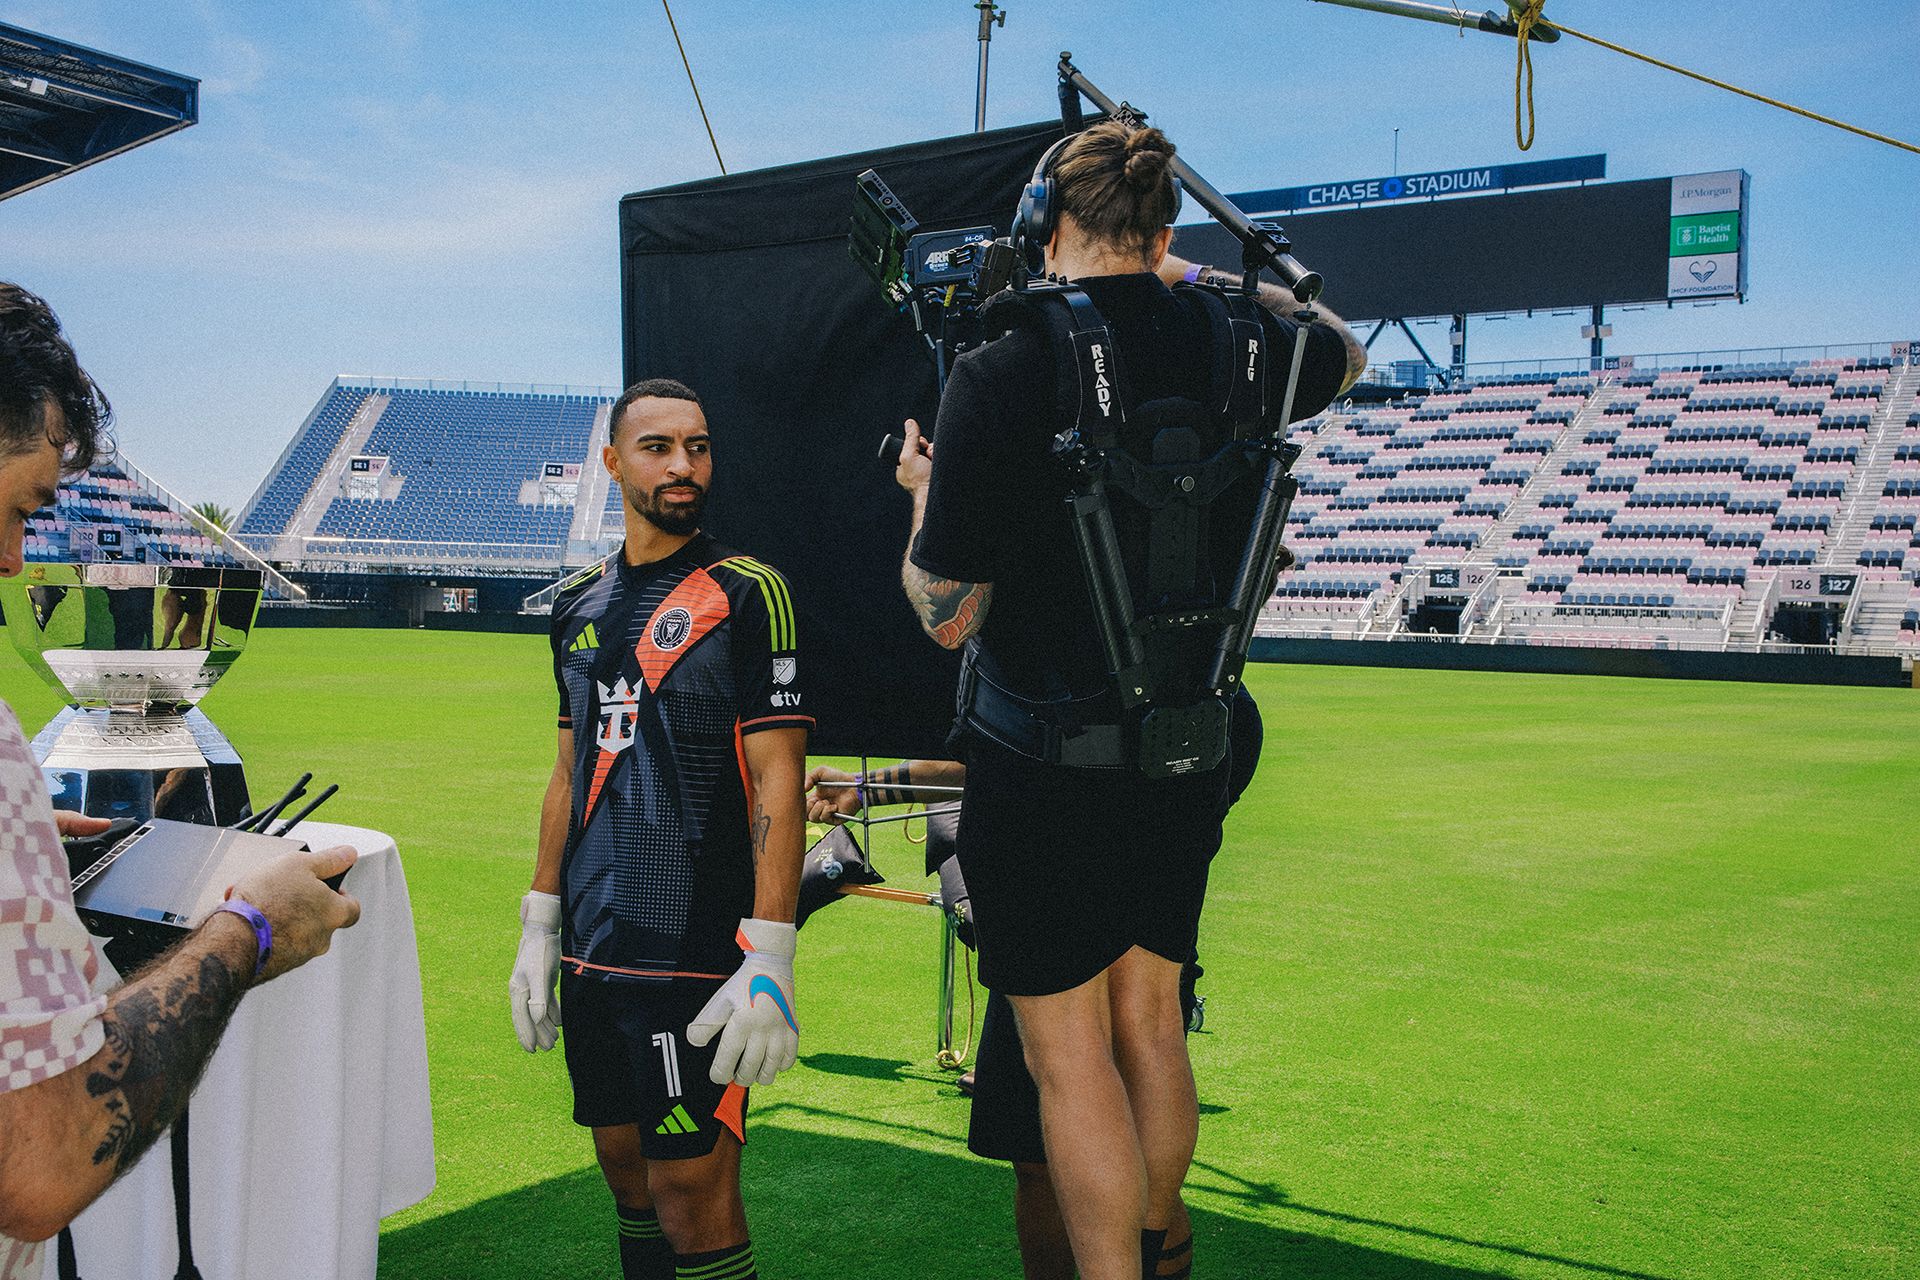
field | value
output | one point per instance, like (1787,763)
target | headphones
(1037,216)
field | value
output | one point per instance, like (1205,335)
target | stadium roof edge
(375,382)
(64,106)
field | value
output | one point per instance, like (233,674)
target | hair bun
(1148,154)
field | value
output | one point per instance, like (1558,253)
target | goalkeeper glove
(536,1014)
(753,1012)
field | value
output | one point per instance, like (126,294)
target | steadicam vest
(1144,480)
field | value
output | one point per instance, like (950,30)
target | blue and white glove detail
(753,1012)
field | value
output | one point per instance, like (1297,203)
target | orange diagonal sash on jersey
(692,609)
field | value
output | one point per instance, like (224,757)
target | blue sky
(429,189)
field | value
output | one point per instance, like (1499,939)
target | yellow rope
(1527,15)
(1524,18)
(957,1060)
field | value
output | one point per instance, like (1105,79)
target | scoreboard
(1653,240)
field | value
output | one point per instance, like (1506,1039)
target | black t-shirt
(996,504)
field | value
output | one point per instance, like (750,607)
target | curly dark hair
(37,369)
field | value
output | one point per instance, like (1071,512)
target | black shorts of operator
(1070,868)
(630,1063)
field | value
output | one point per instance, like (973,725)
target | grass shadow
(857,1064)
(829,1206)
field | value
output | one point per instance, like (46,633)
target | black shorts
(630,1063)
(1005,1124)
(1005,1121)
(1070,868)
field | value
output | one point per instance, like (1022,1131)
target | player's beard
(676,518)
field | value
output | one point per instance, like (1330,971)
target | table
(312,1121)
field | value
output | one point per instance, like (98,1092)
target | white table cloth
(312,1121)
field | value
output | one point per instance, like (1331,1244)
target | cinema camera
(942,279)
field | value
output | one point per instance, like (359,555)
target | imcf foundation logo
(619,716)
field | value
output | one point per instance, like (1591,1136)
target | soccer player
(671,841)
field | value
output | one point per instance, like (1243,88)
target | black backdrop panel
(1561,247)
(742,288)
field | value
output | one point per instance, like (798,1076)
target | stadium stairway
(1871,478)
(326,485)
(1526,505)
(590,507)
(1877,624)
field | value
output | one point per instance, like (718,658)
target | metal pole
(1262,244)
(989,15)
(1396,151)
(943,1033)
(1599,341)
(1452,16)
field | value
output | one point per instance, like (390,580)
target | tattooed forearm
(160,1031)
(892,785)
(949,611)
(761,824)
(1356,359)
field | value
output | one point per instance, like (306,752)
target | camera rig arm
(1262,244)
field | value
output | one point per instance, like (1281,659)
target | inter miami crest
(671,629)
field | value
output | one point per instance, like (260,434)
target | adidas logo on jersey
(585,640)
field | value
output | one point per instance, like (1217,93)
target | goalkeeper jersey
(662,671)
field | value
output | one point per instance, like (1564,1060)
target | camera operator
(88,1081)
(1087,876)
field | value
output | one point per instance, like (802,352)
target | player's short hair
(650,388)
(38,368)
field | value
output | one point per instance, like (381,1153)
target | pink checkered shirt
(49,1015)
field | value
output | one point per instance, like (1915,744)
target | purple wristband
(1193,271)
(262,931)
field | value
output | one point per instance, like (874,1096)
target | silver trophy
(134,647)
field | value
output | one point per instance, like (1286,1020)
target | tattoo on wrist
(949,611)
(889,786)
(158,1039)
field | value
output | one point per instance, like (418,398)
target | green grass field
(1507,976)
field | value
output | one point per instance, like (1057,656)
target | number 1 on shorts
(670,1060)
